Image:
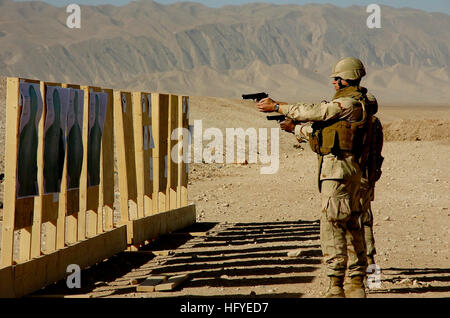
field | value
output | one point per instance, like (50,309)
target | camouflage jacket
(345,105)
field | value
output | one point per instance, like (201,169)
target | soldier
(335,131)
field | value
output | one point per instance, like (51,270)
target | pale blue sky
(427,5)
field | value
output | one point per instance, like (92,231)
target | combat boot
(336,289)
(356,288)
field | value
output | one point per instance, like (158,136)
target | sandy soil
(254,220)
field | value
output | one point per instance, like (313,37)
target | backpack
(371,159)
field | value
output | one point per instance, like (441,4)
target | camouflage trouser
(366,196)
(341,234)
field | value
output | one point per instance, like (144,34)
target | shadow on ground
(216,257)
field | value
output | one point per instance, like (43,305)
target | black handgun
(256,97)
(278,118)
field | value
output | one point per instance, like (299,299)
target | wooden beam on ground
(172,283)
(150,284)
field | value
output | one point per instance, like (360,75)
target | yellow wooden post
(183,122)
(172,178)
(83,179)
(126,164)
(89,205)
(46,207)
(17,213)
(137,101)
(149,145)
(106,198)
(144,143)
(69,200)
(185,165)
(160,157)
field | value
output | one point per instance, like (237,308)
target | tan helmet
(349,68)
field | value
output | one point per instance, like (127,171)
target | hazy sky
(428,5)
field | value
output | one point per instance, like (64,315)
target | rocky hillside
(286,50)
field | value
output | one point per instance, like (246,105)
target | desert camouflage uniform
(339,185)
(366,196)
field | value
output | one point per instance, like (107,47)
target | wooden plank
(140,133)
(29,276)
(35,244)
(147,121)
(72,228)
(106,199)
(25,278)
(123,125)
(121,156)
(72,196)
(83,196)
(144,145)
(7,279)
(47,205)
(161,147)
(172,198)
(162,200)
(172,283)
(184,196)
(12,127)
(25,244)
(25,205)
(50,240)
(109,218)
(162,223)
(62,200)
(183,116)
(181,100)
(93,190)
(150,283)
(172,166)
(70,199)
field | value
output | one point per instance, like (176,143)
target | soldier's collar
(350,91)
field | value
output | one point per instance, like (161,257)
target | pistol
(278,118)
(256,97)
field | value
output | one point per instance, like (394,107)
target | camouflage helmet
(349,68)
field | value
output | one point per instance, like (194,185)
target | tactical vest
(341,136)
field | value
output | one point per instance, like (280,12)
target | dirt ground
(250,221)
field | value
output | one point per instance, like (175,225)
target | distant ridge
(287,50)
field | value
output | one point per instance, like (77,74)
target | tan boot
(356,288)
(336,288)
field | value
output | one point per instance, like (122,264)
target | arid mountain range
(285,50)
